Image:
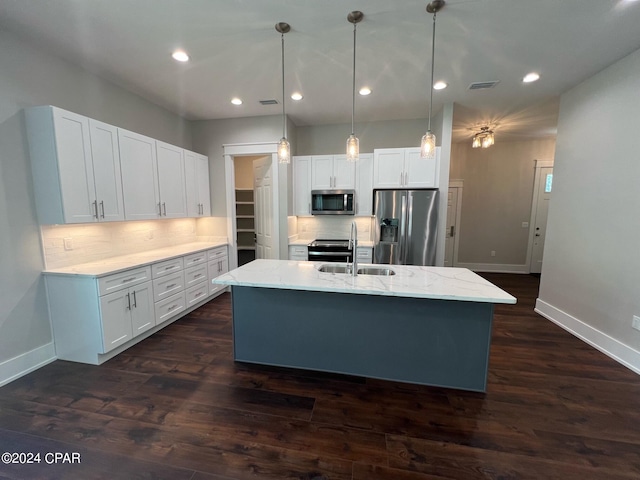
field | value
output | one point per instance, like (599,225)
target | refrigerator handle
(403,226)
(409,227)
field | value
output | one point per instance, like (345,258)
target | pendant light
(428,143)
(353,144)
(284,149)
(484,138)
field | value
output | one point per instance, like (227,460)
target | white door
(191,181)
(204,191)
(322,172)
(451,226)
(171,181)
(420,172)
(142,309)
(302,185)
(139,164)
(263,198)
(115,311)
(388,168)
(344,173)
(106,167)
(364,185)
(539,227)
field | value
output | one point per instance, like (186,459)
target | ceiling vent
(483,85)
(268,102)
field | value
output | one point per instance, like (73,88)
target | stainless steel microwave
(333,202)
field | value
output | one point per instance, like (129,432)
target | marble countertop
(112,265)
(443,283)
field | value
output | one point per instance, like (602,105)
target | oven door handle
(331,254)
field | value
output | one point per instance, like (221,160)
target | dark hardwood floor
(176,407)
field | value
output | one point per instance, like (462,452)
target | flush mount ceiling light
(236,101)
(440,85)
(484,138)
(284,149)
(180,56)
(296,96)
(353,144)
(364,91)
(428,143)
(531,77)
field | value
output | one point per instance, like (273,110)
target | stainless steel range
(330,250)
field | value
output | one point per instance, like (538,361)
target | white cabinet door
(217,268)
(139,163)
(73,152)
(321,172)
(116,319)
(171,183)
(142,310)
(420,172)
(204,190)
(388,168)
(105,156)
(196,171)
(364,185)
(302,186)
(344,173)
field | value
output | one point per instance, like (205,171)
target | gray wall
(332,139)
(497,195)
(591,268)
(30,77)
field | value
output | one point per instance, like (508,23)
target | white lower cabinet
(95,318)
(364,254)
(298,252)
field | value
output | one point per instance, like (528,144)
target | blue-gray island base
(426,341)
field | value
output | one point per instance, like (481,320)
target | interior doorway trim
(254,149)
(534,206)
(459,184)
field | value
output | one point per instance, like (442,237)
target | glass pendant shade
(476,142)
(428,145)
(353,148)
(284,151)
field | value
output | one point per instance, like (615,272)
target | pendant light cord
(353,102)
(284,118)
(433,52)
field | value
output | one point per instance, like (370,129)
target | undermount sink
(375,271)
(336,268)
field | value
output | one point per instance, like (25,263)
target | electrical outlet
(68,243)
(525,224)
(635,323)
(493,253)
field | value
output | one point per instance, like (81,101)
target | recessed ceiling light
(365,91)
(180,55)
(440,85)
(236,101)
(531,77)
(296,96)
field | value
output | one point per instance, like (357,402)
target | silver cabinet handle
(159,209)
(197,276)
(135,301)
(102,209)
(128,302)
(126,280)
(309,208)
(401,179)
(170,286)
(199,294)
(172,307)
(95,206)
(170,267)
(164,207)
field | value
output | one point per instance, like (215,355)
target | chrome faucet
(353,246)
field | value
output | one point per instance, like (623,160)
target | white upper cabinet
(302,186)
(139,161)
(330,172)
(364,185)
(171,182)
(197,181)
(403,168)
(75,165)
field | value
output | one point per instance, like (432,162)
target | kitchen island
(425,325)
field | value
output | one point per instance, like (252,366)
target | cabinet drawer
(165,268)
(298,252)
(196,294)
(167,285)
(195,259)
(216,253)
(170,307)
(195,275)
(364,254)
(118,281)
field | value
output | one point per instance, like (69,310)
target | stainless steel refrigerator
(406,223)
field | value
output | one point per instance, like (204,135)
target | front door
(263,198)
(544,181)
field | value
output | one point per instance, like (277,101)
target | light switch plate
(635,323)
(68,243)
(525,224)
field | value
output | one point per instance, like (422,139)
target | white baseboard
(611,347)
(494,267)
(16,367)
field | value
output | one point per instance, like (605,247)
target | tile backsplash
(333,226)
(65,245)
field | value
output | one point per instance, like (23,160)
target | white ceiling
(235,51)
